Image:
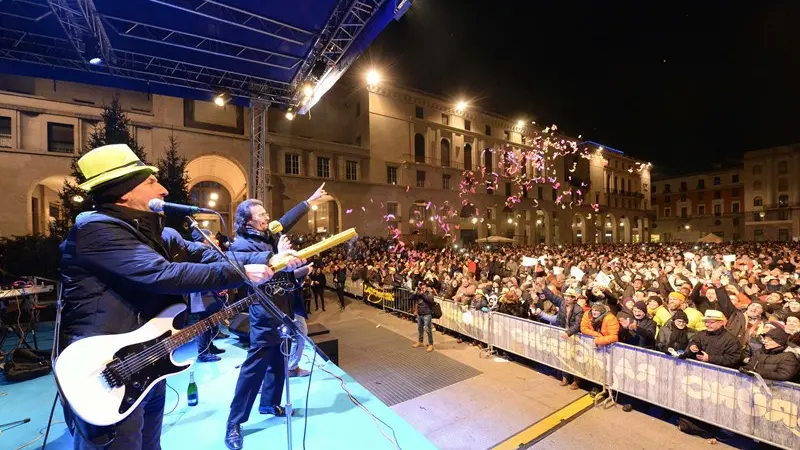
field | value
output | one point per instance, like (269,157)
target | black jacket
(572,323)
(644,336)
(115,279)
(423,302)
(263,327)
(722,347)
(774,364)
(665,341)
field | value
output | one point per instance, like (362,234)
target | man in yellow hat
(715,345)
(120,267)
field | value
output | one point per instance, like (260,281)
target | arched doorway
(218,179)
(609,229)
(637,231)
(542,234)
(467,157)
(624,229)
(213,195)
(445,150)
(44,204)
(326,217)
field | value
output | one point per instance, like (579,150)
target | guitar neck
(188,334)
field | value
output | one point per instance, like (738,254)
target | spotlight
(289,115)
(96,61)
(222,99)
(92,50)
(520,123)
(461,106)
(308,91)
(373,77)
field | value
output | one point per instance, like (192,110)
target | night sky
(685,85)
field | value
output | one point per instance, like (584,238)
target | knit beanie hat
(680,315)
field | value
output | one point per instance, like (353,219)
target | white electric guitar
(104,378)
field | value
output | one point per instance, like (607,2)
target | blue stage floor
(334,422)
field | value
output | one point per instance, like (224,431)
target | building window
(757,185)
(5,132)
(323,167)
(60,138)
(392,208)
(467,125)
(735,207)
(419,148)
(717,210)
(683,186)
(419,112)
(667,212)
(783,184)
(758,234)
(351,170)
(717,195)
(467,157)
(445,119)
(735,178)
(758,201)
(488,130)
(701,184)
(540,192)
(421,178)
(506,135)
(358,109)
(756,170)
(291,164)
(783,201)
(445,149)
(717,181)
(783,168)
(391,175)
(487,159)
(701,210)
(446,182)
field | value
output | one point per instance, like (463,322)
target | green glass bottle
(191,393)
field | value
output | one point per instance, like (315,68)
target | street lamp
(373,77)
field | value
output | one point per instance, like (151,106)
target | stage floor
(334,422)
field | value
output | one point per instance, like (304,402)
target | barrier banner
(377,295)
(714,394)
(459,318)
(543,343)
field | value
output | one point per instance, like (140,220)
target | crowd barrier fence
(766,411)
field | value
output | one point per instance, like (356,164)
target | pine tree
(172,175)
(114,129)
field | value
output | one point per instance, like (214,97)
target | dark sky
(682,84)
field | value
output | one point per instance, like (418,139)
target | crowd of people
(735,305)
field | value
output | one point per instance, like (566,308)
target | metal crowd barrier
(766,411)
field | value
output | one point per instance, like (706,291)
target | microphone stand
(288,330)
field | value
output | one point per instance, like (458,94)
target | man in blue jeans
(423,301)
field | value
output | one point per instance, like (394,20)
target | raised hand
(317,195)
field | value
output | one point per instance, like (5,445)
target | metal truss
(260,173)
(349,18)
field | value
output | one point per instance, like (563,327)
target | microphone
(275,227)
(157,205)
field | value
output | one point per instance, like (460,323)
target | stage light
(96,61)
(214,196)
(219,101)
(461,106)
(520,123)
(289,115)
(308,91)
(373,77)
(222,99)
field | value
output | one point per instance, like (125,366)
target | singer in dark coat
(264,367)
(120,267)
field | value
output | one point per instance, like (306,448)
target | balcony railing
(6,141)
(436,162)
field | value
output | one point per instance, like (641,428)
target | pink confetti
(348,211)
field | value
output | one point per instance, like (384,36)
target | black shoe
(233,436)
(221,335)
(207,357)
(276,410)
(216,350)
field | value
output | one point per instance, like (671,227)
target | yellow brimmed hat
(713,314)
(108,163)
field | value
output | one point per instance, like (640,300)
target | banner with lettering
(377,295)
(544,344)
(463,320)
(724,397)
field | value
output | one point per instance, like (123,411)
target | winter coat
(115,279)
(722,347)
(737,321)
(662,316)
(263,327)
(572,323)
(609,329)
(774,364)
(644,336)
(665,335)
(423,303)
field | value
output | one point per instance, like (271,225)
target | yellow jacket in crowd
(662,316)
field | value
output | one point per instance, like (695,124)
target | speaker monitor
(329,345)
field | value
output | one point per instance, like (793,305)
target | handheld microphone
(157,205)
(275,227)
